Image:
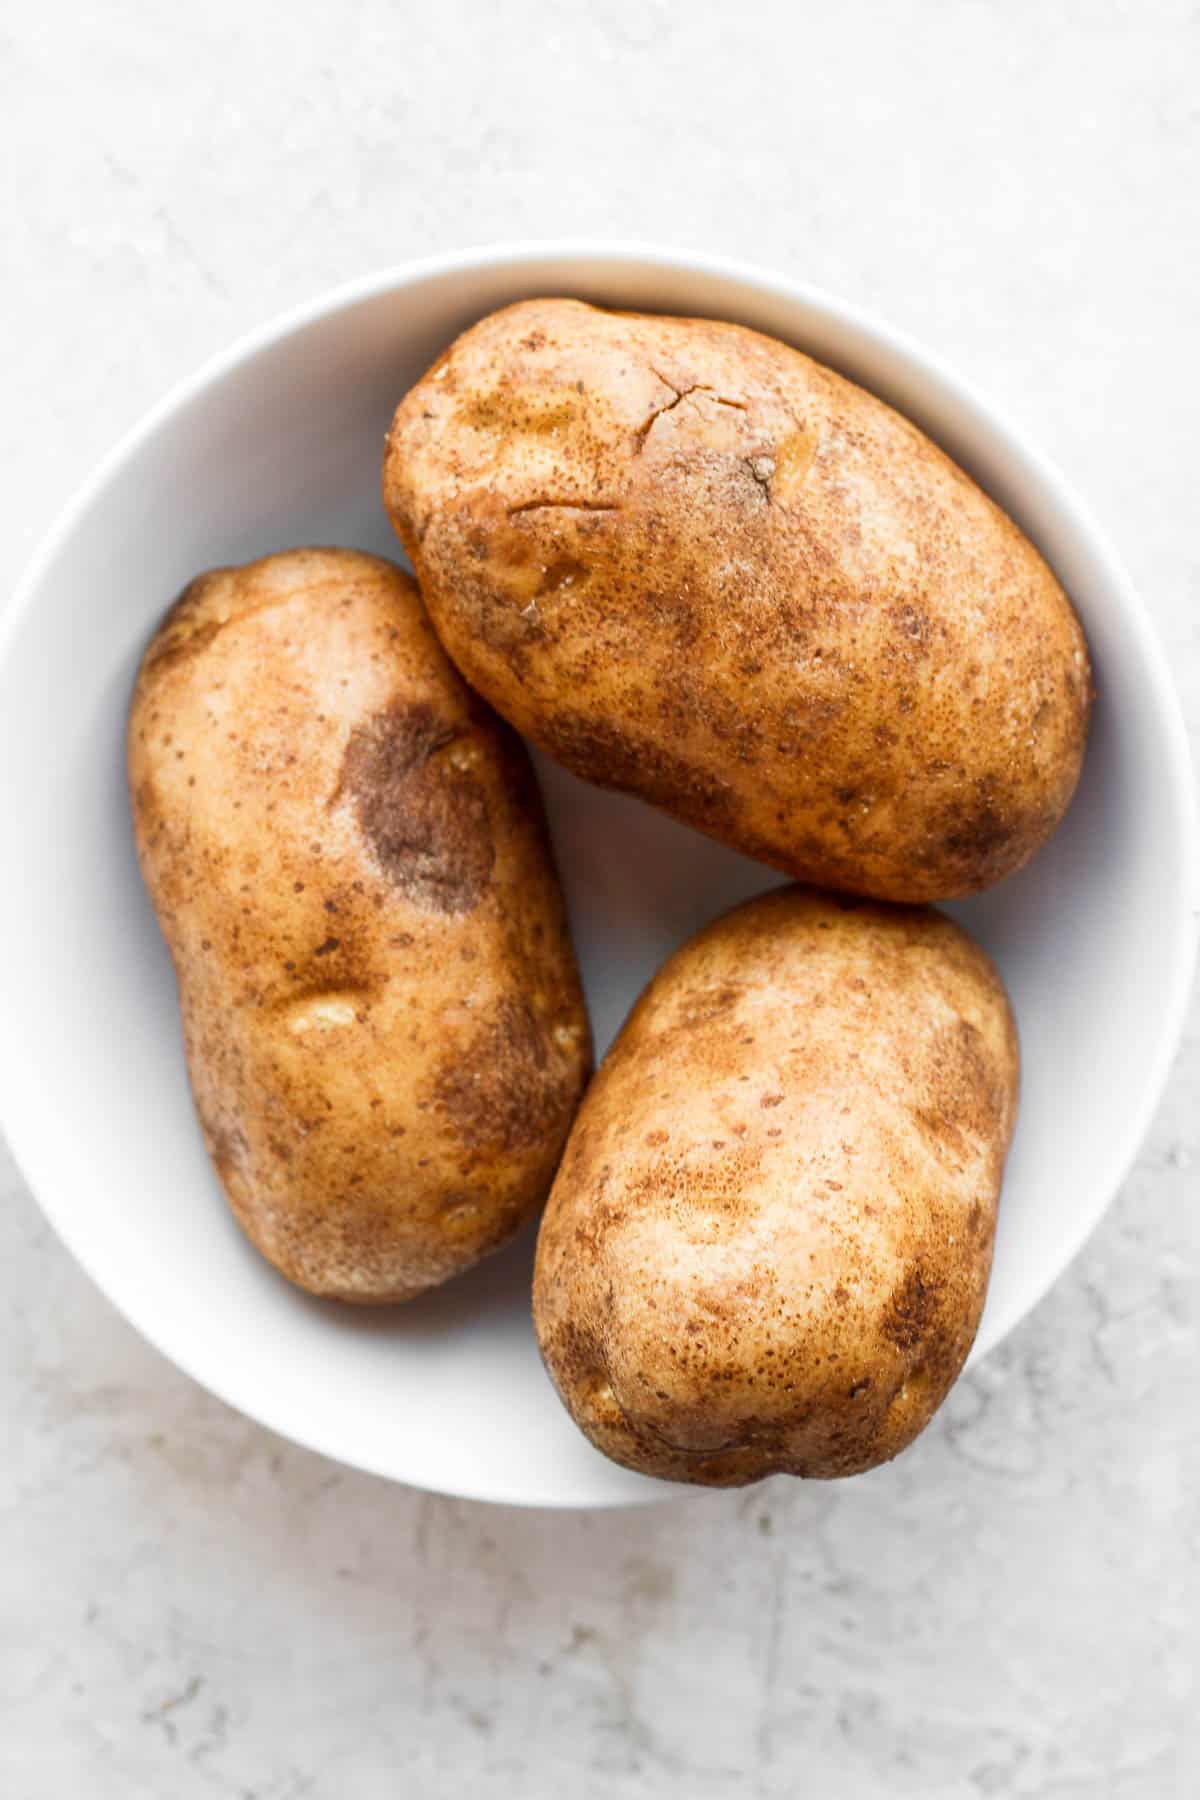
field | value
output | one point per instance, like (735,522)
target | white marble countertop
(191,1607)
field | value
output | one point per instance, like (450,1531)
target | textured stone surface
(189,1607)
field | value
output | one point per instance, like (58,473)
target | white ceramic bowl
(278,443)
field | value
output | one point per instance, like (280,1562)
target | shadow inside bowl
(497,1290)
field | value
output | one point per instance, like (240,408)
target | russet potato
(692,563)
(385,1032)
(768,1245)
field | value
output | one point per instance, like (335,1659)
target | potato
(768,1245)
(383,1022)
(692,563)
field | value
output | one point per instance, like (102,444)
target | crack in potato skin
(348,858)
(781,589)
(768,1245)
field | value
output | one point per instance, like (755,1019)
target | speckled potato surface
(694,564)
(385,1032)
(768,1245)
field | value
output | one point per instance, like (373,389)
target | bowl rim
(1183,923)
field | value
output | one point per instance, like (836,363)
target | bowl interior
(279,444)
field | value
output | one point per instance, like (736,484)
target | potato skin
(384,1027)
(691,563)
(768,1245)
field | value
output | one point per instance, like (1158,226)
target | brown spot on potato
(912,623)
(911,1310)
(227,1147)
(968,1092)
(977,835)
(634,763)
(505,1090)
(708,1003)
(426,821)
